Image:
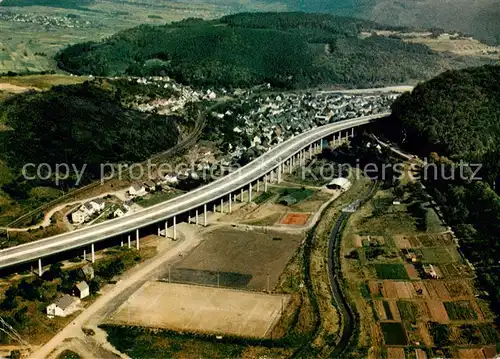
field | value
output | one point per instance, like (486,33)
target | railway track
(348,317)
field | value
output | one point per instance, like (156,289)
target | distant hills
(479,18)
(285,49)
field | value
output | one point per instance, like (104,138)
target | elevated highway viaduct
(223,192)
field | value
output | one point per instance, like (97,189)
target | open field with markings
(201,309)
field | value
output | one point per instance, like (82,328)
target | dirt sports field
(297,219)
(238,258)
(201,309)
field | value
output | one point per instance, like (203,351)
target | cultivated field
(201,309)
(427,311)
(238,258)
(30,45)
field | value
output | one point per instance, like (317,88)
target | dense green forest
(454,117)
(284,49)
(78,124)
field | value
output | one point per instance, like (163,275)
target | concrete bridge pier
(84,254)
(175,228)
(250,193)
(205,215)
(93,252)
(258,185)
(352,132)
(166,227)
(231,203)
(128,240)
(279,173)
(265,182)
(40,269)
(310,152)
(137,238)
(222,205)
(197,217)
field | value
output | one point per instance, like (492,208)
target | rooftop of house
(88,205)
(99,200)
(137,186)
(65,301)
(81,286)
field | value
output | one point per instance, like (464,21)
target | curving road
(189,201)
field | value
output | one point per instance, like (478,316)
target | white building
(339,183)
(81,290)
(171,178)
(118,213)
(78,217)
(63,306)
(137,190)
(98,204)
(87,208)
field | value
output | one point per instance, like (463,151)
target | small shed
(81,290)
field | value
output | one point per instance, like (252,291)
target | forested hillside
(454,117)
(285,49)
(84,125)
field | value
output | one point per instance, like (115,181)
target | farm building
(430,271)
(340,183)
(63,306)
